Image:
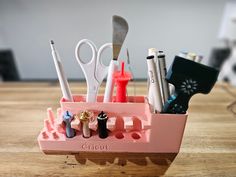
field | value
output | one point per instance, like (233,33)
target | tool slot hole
(119,135)
(136,136)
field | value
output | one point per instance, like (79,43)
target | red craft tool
(121,79)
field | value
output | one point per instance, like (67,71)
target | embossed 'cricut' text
(98,147)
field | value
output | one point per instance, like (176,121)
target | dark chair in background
(8,69)
(218,56)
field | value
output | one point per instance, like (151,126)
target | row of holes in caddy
(60,128)
(116,123)
(118,134)
(134,135)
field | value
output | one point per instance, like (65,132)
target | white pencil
(154,84)
(60,73)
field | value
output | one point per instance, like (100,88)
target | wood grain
(208,147)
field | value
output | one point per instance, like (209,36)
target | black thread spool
(102,125)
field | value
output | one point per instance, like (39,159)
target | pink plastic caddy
(132,128)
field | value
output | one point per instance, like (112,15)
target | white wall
(170,25)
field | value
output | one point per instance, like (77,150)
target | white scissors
(94,70)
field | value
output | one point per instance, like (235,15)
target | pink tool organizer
(132,128)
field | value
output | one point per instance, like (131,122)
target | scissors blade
(92,90)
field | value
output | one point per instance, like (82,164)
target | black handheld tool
(189,78)
(102,125)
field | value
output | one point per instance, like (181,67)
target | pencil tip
(52,42)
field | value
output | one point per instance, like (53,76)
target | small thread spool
(85,117)
(102,125)
(67,118)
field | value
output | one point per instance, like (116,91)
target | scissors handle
(91,65)
(101,69)
(94,70)
(89,69)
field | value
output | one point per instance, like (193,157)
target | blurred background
(27,26)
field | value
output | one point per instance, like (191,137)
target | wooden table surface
(208,147)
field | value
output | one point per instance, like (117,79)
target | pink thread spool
(121,79)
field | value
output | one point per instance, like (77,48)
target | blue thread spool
(67,118)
